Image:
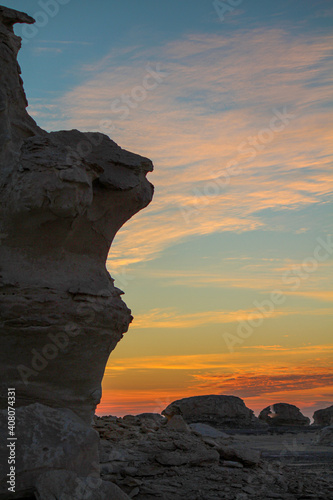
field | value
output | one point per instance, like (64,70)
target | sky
(228,272)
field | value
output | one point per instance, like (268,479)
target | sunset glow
(228,272)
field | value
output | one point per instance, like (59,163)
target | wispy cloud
(324,296)
(251,273)
(47,50)
(166,318)
(219,96)
(254,384)
(299,375)
(271,355)
(65,42)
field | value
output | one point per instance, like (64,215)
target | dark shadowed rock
(64,485)
(173,465)
(48,439)
(241,454)
(325,436)
(177,423)
(64,195)
(283,414)
(207,430)
(156,417)
(217,411)
(201,456)
(323,417)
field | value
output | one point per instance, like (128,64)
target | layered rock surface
(47,439)
(283,414)
(218,411)
(64,195)
(151,458)
(323,417)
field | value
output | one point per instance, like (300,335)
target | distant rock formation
(283,414)
(325,436)
(155,448)
(323,417)
(217,411)
(64,196)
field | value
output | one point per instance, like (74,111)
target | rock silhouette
(283,414)
(218,411)
(323,417)
(64,196)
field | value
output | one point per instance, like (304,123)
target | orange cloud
(219,95)
(261,274)
(299,375)
(246,356)
(325,296)
(253,384)
(166,318)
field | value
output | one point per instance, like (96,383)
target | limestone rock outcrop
(283,414)
(64,195)
(206,430)
(47,439)
(325,436)
(215,410)
(323,417)
(149,459)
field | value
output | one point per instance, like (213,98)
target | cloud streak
(166,318)
(219,96)
(246,356)
(299,375)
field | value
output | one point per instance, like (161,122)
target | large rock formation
(47,439)
(325,436)
(215,410)
(283,414)
(323,417)
(64,195)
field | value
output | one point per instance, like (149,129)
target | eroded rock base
(148,459)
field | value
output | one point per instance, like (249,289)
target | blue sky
(235,113)
(93,28)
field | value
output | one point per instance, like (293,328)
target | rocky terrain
(153,458)
(323,417)
(283,414)
(216,410)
